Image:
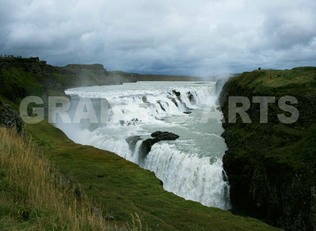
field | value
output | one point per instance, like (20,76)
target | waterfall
(190,166)
(191,177)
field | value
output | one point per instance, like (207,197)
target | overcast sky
(193,37)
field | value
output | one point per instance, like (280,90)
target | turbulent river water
(126,115)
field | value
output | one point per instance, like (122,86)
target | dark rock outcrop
(9,118)
(177,93)
(191,98)
(272,166)
(157,136)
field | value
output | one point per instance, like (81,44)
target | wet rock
(164,135)
(162,108)
(191,98)
(144,99)
(175,102)
(157,137)
(132,141)
(176,93)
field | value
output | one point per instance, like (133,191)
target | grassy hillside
(271,166)
(35,196)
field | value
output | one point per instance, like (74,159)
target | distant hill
(31,76)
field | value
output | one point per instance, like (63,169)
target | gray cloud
(201,37)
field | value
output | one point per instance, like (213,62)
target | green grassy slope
(35,196)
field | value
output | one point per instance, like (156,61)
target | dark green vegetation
(271,167)
(120,188)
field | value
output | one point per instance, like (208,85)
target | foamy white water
(190,166)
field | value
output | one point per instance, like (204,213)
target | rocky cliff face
(271,166)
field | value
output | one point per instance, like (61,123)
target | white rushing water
(127,114)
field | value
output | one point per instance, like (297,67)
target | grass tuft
(35,196)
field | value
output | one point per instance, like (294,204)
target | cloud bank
(202,37)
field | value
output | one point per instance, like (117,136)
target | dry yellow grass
(34,183)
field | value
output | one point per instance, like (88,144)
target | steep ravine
(271,166)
